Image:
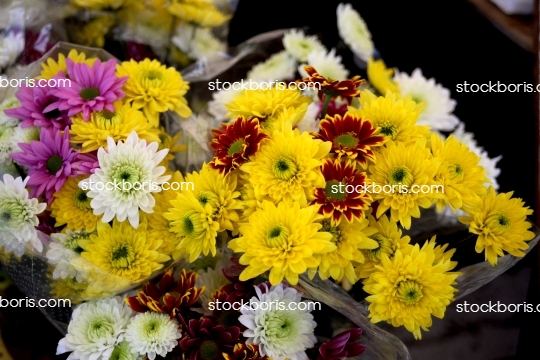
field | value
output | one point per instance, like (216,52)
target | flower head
(351,136)
(201,12)
(501,224)
(409,288)
(96,327)
(283,240)
(280,334)
(280,66)
(243,351)
(327,63)
(198,42)
(154,88)
(90,89)
(153,334)
(354,31)
(51,162)
(18,216)
(300,45)
(134,165)
(330,87)
(122,251)
(51,67)
(233,144)
(63,249)
(380,77)
(6,144)
(344,345)
(9,103)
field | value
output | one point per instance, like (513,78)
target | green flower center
(409,292)
(277,236)
(54,164)
(106,117)
(400,175)
(81,199)
(122,256)
(385,247)
(191,224)
(152,328)
(89,93)
(153,75)
(209,350)
(72,243)
(11,210)
(285,168)
(499,223)
(334,191)
(99,329)
(334,230)
(456,171)
(208,197)
(129,177)
(122,351)
(346,140)
(279,326)
(388,129)
(236,147)
(6,216)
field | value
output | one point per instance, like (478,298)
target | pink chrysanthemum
(93,88)
(34,101)
(51,161)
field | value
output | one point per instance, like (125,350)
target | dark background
(451,42)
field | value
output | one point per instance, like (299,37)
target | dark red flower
(205,340)
(350,136)
(233,144)
(167,296)
(343,194)
(347,89)
(342,346)
(242,351)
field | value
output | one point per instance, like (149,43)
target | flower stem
(327,99)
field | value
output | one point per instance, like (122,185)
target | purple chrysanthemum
(34,101)
(51,161)
(344,345)
(93,88)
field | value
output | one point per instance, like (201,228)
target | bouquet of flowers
(85,154)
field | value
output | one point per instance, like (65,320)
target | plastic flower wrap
(94,165)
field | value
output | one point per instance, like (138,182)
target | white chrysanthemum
(11,45)
(439,105)
(9,103)
(212,279)
(24,135)
(122,351)
(216,106)
(278,67)
(198,42)
(489,164)
(6,143)
(354,32)
(127,177)
(280,334)
(328,64)
(63,250)
(310,122)
(18,216)
(96,327)
(153,334)
(300,45)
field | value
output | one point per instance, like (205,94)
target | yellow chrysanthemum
(289,118)
(408,289)
(211,187)
(501,224)
(388,238)
(349,238)
(67,288)
(122,251)
(194,223)
(167,141)
(440,252)
(287,166)
(394,116)
(71,207)
(51,67)
(154,88)
(159,228)
(93,134)
(93,33)
(200,12)
(283,240)
(265,103)
(101,4)
(380,77)
(405,174)
(460,173)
